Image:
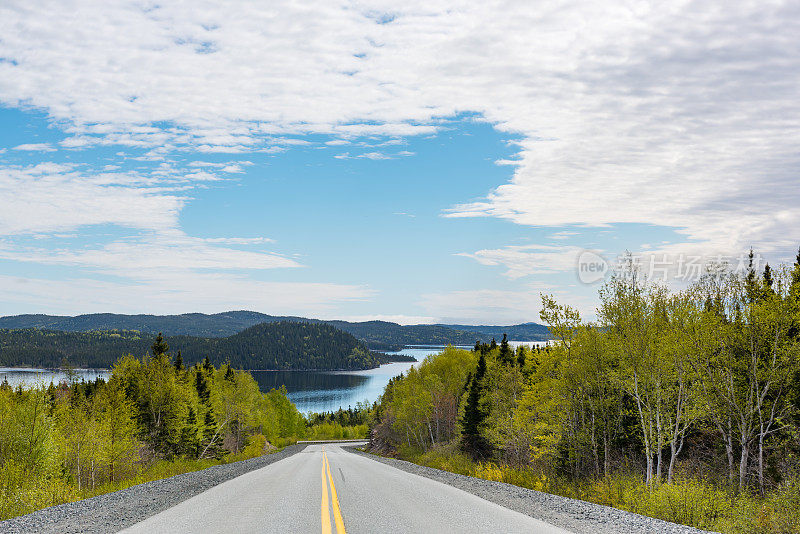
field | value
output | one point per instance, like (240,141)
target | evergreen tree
(474,415)
(201,386)
(212,438)
(506,355)
(179,362)
(521,355)
(189,443)
(768,281)
(160,347)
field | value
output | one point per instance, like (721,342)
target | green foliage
(378,335)
(276,345)
(683,406)
(150,420)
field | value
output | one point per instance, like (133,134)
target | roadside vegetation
(683,406)
(153,418)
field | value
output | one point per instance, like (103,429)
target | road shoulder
(576,516)
(120,509)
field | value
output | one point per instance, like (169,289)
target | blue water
(310,391)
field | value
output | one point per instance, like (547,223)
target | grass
(20,494)
(688,501)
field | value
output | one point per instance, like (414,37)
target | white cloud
(209,293)
(562,235)
(35,147)
(53,197)
(148,258)
(375,155)
(681,115)
(503,306)
(526,260)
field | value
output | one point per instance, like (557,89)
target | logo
(592,267)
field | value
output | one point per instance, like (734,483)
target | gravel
(114,511)
(574,515)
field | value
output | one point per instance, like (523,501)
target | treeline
(281,345)
(154,417)
(352,423)
(378,335)
(681,405)
(382,335)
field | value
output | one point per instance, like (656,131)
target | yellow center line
(326,516)
(337,513)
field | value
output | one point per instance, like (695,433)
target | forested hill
(517,332)
(279,345)
(379,335)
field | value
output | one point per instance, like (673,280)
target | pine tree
(179,362)
(521,355)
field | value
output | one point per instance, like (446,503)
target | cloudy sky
(415,161)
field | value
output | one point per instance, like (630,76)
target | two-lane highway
(326,489)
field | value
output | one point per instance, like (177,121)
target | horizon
(271,315)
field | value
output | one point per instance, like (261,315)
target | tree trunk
(743,464)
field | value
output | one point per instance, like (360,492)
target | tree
(506,354)
(117,427)
(471,439)
(160,346)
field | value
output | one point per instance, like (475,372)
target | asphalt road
(326,489)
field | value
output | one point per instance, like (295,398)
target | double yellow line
(337,513)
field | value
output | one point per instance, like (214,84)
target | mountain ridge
(378,335)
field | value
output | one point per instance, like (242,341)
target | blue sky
(420,164)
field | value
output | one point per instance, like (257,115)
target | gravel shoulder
(114,511)
(574,515)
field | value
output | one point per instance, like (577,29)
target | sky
(410,161)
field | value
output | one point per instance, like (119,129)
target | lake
(310,391)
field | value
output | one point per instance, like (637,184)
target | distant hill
(378,335)
(517,332)
(277,345)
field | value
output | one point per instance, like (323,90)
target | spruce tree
(211,437)
(201,386)
(160,347)
(179,362)
(768,281)
(474,415)
(188,441)
(506,356)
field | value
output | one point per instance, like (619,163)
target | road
(329,490)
